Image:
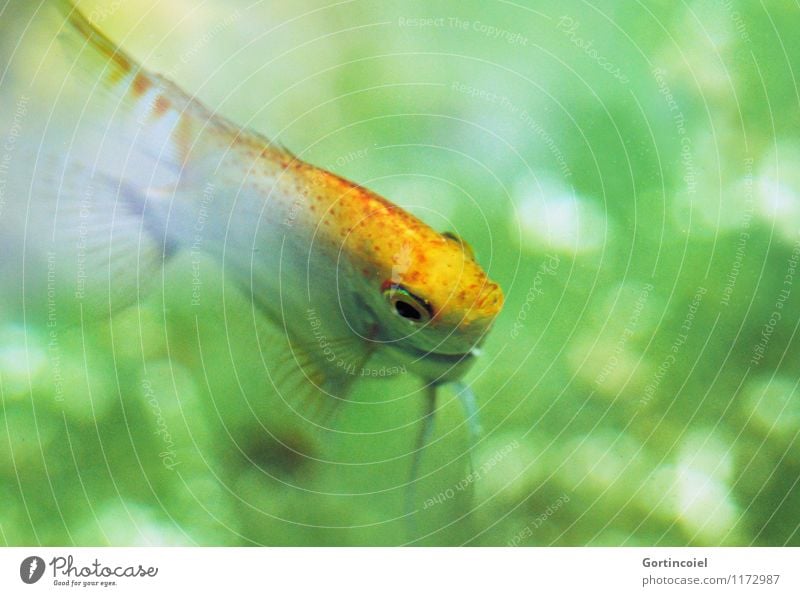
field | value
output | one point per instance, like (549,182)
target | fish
(117,170)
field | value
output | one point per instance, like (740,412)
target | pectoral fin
(316,377)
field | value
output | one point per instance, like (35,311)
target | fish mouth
(443,366)
(444,356)
(430,356)
(439,367)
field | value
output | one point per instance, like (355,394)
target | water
(628,174)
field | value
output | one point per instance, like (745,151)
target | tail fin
(102,150)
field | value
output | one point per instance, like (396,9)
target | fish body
(117,170)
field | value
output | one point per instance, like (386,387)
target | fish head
(432,303)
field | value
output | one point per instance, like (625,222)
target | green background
(627,171)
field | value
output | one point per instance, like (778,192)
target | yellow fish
(120,169)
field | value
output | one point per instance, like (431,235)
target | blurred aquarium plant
(627,172)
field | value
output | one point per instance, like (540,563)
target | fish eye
(407,305)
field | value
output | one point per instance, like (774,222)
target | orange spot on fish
(161,106)
(140,85)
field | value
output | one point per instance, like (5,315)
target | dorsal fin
(152,95)
(116,63)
